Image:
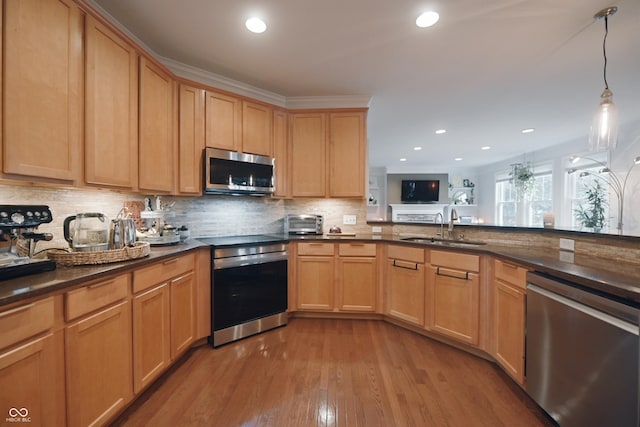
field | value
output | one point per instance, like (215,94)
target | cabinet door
(281,152)
(150,335)
(41,88)
(315,282)
(111,108)
(32,378)
(357,283)
(455,303)
(510,305)
(190,140)
(223,124)
(183,316)
(347,154)
(308,154)
(156,162)
(405,281)
(98,365)
(257,129)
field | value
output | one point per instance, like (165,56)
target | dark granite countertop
(620,280)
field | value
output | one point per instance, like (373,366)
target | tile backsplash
(204,216)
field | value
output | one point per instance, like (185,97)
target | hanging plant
(593,215)
(522,177)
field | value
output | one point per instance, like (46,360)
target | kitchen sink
(443,242)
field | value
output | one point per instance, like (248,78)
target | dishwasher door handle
(611,320)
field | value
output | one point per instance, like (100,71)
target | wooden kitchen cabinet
(454,295)
(111,108)
(190,139)
(405,279)
(41,90)
(32,362)
(282,153)
(223,121)
(315,267)
(151,335)
(347,154)
(357,277)
(509,298)
(308,154)
(156,149)
(98,353)
(164,320)
(257,129)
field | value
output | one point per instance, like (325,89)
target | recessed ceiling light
(457,159)
(255,25)
(528,130)
(486,147)
(417,148)
(441,131)
(403,159)
(427,19)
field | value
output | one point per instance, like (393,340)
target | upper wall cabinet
(223,116)
(257,128)
(347,154)
(282,153)
(111,108)
(42,86)
(308,154)
(156,149)
(328,154)
(190,139)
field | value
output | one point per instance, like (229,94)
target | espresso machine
(18,225)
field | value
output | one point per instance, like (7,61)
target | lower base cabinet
(98,365)
(406,284)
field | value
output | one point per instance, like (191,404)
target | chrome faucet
(454,217)
(441,234)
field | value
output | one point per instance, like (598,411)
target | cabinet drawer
(162,271)
(315,248)
(511,273)
(95,296)
(464,262)
(25,321)
(406,253)
(357,249)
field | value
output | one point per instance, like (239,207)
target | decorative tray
(138,250)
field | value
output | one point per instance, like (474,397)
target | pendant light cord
(604,50)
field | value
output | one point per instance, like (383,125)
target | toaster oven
(303,224)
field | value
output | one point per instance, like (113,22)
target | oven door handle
(240,261)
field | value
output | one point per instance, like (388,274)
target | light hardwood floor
(319,372)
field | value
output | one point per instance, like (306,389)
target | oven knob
(17,218)
(29,214)
(4,215)
(37,214)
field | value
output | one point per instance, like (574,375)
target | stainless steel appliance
(582,354)
(303,224)
(249,286)
(17,227)
(230,172)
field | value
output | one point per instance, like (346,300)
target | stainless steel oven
(249,290)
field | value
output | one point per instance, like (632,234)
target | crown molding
(334,101)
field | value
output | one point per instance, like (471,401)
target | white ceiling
(487,70)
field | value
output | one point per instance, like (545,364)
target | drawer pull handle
(506,264)
(356,244)
(170,261)
(465,277)
(408,266)
(100,284)
(17,310)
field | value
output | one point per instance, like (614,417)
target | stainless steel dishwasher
(581,355)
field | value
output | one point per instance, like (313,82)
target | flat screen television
(420,191)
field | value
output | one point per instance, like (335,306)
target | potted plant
(522,177)
(593,215)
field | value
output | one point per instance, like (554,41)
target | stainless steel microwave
(231,172)
(303,224)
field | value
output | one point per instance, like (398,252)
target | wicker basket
(139,250)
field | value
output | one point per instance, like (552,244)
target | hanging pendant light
(604,130)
